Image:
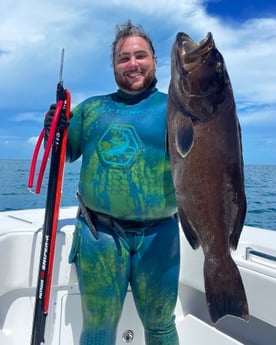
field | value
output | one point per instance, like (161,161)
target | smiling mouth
(134,75)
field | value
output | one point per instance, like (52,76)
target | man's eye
(140,56)
(123,59)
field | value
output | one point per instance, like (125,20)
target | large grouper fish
(204,143)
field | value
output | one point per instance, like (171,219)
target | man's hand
(62,122)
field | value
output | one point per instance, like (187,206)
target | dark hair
(127,30)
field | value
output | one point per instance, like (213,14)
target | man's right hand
(62,122)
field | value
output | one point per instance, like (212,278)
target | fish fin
(235,235)
(184,136)
(224,289)
(190,234)
(167,142)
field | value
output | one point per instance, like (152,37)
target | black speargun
(56,145)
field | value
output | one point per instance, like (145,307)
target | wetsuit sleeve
(73,151)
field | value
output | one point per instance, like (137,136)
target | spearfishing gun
(56,145)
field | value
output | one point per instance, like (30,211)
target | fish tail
(224,288)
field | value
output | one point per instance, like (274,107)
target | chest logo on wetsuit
(119,146)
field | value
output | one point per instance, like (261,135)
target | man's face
(134,65)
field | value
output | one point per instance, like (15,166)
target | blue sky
(33,32)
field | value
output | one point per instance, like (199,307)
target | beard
(135,88)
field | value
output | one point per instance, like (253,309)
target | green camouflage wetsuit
(125,174)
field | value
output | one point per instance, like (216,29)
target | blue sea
(260,184)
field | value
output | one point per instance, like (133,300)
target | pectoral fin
(184,135)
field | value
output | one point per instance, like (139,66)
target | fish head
(199,79)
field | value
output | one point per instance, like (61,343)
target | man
(126,187)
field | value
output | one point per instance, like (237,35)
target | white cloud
(32,141)
(35,37)
(261,116)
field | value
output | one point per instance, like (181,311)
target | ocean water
(260,184)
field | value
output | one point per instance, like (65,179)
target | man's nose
(133,61)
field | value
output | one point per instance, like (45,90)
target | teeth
(133,75)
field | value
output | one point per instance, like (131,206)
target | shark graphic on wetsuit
(126,174)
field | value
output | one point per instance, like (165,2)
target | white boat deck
(20,236)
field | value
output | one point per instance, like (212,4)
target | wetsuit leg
(103,274)
(154,282)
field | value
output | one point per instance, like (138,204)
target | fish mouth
(191,53)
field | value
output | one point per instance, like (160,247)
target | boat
(20,244)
